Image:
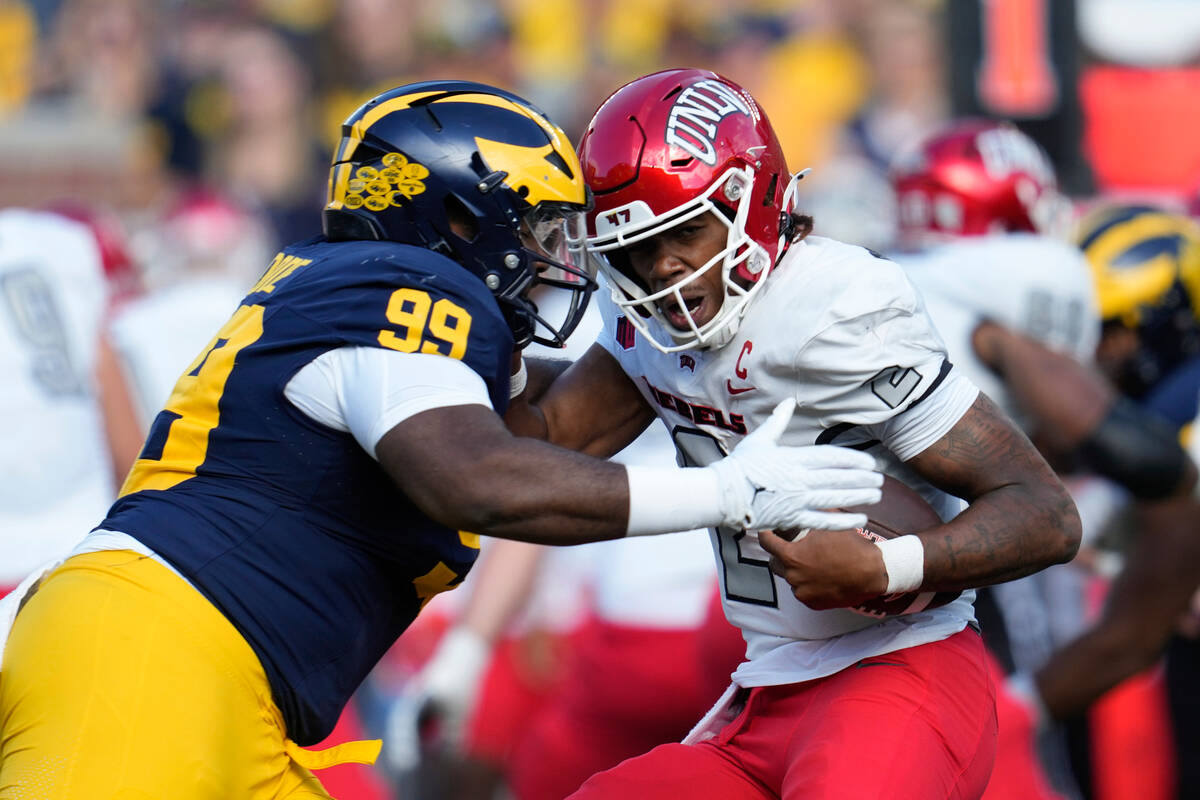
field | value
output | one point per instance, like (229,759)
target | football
(899,512)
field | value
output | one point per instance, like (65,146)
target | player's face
(675,256)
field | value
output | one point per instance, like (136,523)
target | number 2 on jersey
(747,579)
(178,439)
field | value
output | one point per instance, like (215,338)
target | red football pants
(916,724)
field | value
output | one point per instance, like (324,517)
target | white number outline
(746,579)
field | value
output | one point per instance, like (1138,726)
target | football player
(721,304)
(1017,305)
(1146,265)
(325,465)
(68,420)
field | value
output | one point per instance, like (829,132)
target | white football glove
(442,692)
(768,485)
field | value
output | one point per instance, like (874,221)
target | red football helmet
(975,177)
(124,279)
(671,146)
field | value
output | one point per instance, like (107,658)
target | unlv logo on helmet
(694,117)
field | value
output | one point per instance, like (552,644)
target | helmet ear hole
(463,223)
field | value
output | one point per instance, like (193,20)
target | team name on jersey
(282,266)
(699,414)
(695,115)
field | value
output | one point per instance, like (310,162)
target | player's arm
(1077,413)
(591,405)
(428,420)
(121,427)
(1020,519)
(1155,586)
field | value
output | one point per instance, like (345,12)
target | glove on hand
(443,693)
(768,485)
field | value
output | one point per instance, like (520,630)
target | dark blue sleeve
(1176,398)
(381,294)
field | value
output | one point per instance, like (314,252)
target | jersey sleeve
(408,300)
(868,366)
(367,391)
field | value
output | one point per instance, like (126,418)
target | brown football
(899,512)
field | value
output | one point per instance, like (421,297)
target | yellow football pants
(121,682)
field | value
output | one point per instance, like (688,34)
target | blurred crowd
(198,136)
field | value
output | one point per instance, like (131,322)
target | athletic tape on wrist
(517,381)
(904,560)
(667,499)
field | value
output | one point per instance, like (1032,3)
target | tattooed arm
(1020,520)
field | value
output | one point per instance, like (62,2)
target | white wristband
(904,560)
(517,381)
(666,499)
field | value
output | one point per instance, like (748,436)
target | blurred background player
(976,201)
(1146,263)
(199,261)
(1019,312)
(69,427)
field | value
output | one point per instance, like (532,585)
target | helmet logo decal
(695,115)
(377,189)
(1005,151)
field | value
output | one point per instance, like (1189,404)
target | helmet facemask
(552,237)
(728,200)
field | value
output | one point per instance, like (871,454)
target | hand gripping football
(901,511)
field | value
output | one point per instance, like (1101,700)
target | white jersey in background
(157,336)
(56,477)
(1041,287)
(844,333)
(1027,282)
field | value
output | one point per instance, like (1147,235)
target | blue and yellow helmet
(478,174)
(1146,265)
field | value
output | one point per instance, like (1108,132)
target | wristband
(517,381)
(667,499)
(904,561)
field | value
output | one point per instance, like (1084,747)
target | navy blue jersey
(289,527)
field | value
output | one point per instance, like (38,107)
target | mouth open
(692,311)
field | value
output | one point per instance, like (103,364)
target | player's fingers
(772,542)
(843,479)
(842,498)
(832,456)
(830,520)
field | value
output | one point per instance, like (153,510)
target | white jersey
(846,335)
(1034,284)
(157,336)
(56,477)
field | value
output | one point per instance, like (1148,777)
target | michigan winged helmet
(478,174)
